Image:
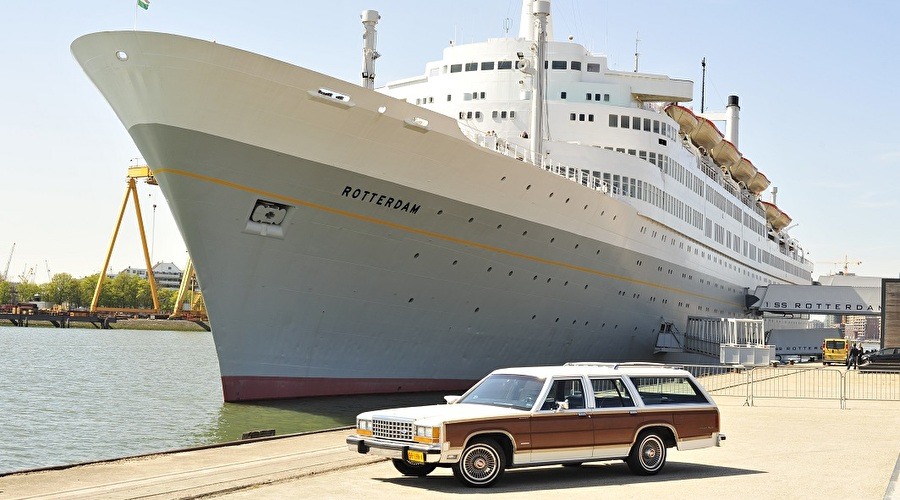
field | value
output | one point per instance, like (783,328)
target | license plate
(415,456)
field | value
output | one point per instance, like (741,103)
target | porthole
(567,200)
(510,273)
(576,245)
(574,321)
(527,187)
(471,219)
(552,240)
(440,212)
(489,269)
(454,262)
(477,309)
(121,55)
(548,280)
(524,233)
(416,256)
(566,283)
(503,178)
(533,316)
(598,252)
(585,287)
(551,195)
(585,207)
(499,226)
(557,320)
(411,299)
(535,278)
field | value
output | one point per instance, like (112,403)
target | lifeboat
(725,155)
(706,134)
(744,171)
(774,216)
(758,183)
(685,118)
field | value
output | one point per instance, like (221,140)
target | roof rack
(628,363)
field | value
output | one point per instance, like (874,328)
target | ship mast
(540,10)
(369,19)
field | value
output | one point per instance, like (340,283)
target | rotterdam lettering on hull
(380,199)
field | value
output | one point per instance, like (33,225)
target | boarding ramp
(731,341)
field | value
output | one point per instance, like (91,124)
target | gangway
(835,294)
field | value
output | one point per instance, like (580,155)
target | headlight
(364,426)
(427,434)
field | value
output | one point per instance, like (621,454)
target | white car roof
(595,369)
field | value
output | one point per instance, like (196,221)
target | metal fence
(798,383)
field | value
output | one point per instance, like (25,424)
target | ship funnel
(527,21)
(732,112)
(369,19)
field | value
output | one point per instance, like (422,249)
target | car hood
(436,414)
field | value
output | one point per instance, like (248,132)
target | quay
(59,320)
(784,449)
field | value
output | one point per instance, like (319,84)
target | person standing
(852,357)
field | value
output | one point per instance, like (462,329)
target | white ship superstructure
(419,236)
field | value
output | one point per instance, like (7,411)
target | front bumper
(393,449)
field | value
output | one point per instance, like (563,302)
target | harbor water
(79,395)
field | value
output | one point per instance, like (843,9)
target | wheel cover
(653,453)
(480,463)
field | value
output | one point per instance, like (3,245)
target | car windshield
(509,391)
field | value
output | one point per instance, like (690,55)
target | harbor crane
(8,261)
(135,172)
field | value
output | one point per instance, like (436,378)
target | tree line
(125,291)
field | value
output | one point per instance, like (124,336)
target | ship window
(558,65)
(512,114)
(562,95)
(653,158)
(606,97)
(572,116)
(646,124)
(625,123)
(418,101)
(504,64)
(597,97)
(642,155)
(593,68)
(448,97)
(664,130)
(462,114)
(487,65)
(590,118)
(620,150)
(471,66)
(636,123)
(478,114)
(613,120)
(656,126)
(632,152)
(503,114)
(482,95)
(587,96)
(663,142)
(495,114)
(581,117)
(455,68)
(576,65)
(469,114)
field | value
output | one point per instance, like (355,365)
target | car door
(614,417)
(560,434)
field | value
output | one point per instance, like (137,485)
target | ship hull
(409,258)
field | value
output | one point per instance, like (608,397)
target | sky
(816,82)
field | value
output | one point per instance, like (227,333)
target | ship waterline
(363,244)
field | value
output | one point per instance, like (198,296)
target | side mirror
(451,399)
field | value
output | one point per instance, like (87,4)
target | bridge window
(593,68)
(455,68)
(625,122)
(471,66)
(558,65)
(613,120)
(504,64)
(487,65)
(576,65)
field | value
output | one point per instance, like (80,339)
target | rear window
(835,344)
(668,390)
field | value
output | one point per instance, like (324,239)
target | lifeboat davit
(685,118)
(758,183)
(725,155)
(744,171)
(775,216)
(706,134)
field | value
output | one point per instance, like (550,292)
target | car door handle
(583,414)
(632,412)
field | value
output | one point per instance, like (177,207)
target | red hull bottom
(254,388)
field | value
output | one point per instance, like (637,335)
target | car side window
(667,390)
(611,393)
(570,391)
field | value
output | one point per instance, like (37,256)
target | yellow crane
(135,172)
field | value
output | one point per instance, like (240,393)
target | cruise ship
(518,203)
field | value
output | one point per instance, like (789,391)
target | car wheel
(411,469)
(481,464)
(648,455)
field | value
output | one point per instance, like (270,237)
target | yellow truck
(835,351)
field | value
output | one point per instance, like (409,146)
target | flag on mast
(144,4)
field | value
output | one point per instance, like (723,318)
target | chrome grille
(392,429)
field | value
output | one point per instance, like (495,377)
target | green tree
(5,292)
(27,290)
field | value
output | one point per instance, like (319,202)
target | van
(835,351)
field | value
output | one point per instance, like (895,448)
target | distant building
(167,274)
